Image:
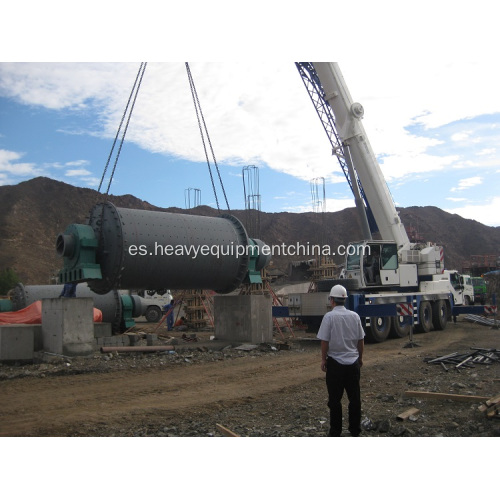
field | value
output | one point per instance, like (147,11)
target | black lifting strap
(199,113)
(133,93)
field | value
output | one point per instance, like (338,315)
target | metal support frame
(192,197)
(251,193)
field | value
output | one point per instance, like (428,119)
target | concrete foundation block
(243,318)
(17,342)
(114,341)
(151,338)
(102,330)
(38,341)
(68,326)
(134,339)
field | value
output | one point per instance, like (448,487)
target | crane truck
(393,284)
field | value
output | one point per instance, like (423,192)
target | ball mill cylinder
(122,248)
(117,308)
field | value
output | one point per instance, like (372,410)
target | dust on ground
(275,389)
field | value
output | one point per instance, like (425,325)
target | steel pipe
(112,304)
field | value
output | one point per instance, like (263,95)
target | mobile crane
(393,283)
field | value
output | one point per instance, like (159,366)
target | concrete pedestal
(16,342)
(243,318)
(68,326)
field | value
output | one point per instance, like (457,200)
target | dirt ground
(267,391)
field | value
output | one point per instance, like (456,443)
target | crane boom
(323,109)
(394,285)
(348,115)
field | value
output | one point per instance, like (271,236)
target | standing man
(169,310)
(342,343)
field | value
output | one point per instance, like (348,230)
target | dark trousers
(170,321)
(338,378)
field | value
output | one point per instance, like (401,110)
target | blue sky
(436,142)
(428,83)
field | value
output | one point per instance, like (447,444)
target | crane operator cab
(373,264)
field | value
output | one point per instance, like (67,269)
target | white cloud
(487,151)
(467,183)
(59,86)
(78,172)
(460,136)
(12,170)
(456,200)
(9,163)
(332,205)
(261,113)
(487,213)
(77,163)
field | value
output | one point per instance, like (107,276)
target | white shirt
(342,329)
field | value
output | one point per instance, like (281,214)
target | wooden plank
(226,431)
(493,401)
(488,404)
(441,395)
(408,413)
(492,411)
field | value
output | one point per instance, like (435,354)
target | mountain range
(34,212)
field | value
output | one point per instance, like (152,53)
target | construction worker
(69,290)
(180,322)
(169,311)
(342,343)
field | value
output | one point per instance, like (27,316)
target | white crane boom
(348,115)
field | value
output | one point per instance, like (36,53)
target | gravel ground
(296,408)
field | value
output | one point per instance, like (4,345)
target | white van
(153,303)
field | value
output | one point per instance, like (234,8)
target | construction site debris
(482,320)
(225,431)
(247,347)
(258,393)
(467,360)
(491,407)
(137,348)
(408,413)
(441,395)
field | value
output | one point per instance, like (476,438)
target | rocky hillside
(34,212)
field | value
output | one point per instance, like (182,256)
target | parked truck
(480,290)
(393,284)
(153,302)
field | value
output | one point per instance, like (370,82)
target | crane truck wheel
(347,283)
(424,317)
(379,328)
(400,327)
(439,314)
(153,314)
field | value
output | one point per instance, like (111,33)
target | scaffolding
(199,308)
(481,264)
(323,266)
